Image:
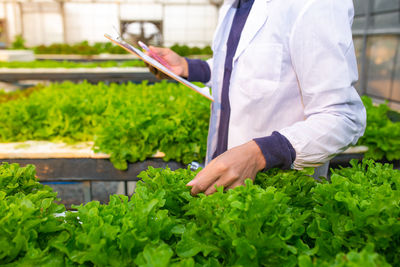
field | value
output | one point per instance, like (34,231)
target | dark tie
(239,20)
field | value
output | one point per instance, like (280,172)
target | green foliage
(353,221)
(82,48)
(296,184)
(126,232)
(131,122)
(361,205)
(9,96)
(28,226)
(70,64)
(357,213)
(366,257)
(19,43)
(184,50)
(382,135)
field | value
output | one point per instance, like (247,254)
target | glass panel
(358,46)
(385,5)
(396,82)
(359,23)
(381,51)
(360,6)
(395,106)
(382,21)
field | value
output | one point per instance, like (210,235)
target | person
(282,76)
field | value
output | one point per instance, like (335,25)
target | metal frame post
(363,74)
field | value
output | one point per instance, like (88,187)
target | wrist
(258,156)
(185,68)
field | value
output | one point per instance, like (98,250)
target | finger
(152,70)
(206,177)
(224,181)
(201,183)
(159,50)
(203,180)
(199,174)
(203,172)
(160,75)
(235,184)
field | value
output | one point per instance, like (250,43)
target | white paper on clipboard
(205,91)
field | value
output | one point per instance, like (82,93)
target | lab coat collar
(223,12)
(257,18)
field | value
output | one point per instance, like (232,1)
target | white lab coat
(293,72)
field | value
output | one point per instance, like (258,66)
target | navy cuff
(199,70)
(277,151)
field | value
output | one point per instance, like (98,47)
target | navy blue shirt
(277,150)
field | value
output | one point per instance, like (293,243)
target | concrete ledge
(101,57)
(52,150)
(17,55)
(94,75)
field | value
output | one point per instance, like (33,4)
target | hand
(178,64)
(229,169)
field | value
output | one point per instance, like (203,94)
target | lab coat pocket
(260,66)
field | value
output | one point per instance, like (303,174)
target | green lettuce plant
(130,121)
(382,135)
(284,218)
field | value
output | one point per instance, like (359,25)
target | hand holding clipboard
(205,91)
(174,62)
(154,55)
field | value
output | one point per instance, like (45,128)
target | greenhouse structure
(192,22)
(376,34)
(165,22)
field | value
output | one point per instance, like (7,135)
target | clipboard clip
(119,35)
